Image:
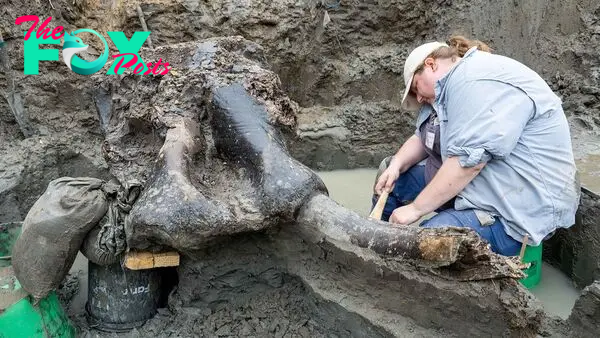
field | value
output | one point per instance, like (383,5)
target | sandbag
(93,251)
(54,230)
(105,244)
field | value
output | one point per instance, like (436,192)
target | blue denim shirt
(494,109)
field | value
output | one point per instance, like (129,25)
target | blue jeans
(412,182)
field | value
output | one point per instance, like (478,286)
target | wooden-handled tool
(378,209)
(523,247)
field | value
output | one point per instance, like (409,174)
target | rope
(112,234)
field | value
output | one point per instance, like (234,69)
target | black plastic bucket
(120,299)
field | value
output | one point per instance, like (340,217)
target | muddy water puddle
(589,172)
(353,189)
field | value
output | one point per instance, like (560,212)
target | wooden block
(165,259)
(141,260)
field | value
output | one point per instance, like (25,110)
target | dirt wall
(345,75)
(576,251)
(557,39)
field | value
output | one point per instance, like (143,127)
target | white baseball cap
(413,61)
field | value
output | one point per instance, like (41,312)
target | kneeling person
(497,147)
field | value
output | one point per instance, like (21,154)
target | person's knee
(507,250)
(502,243)
(445,218)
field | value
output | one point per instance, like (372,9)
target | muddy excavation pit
(259,95)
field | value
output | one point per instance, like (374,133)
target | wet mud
(343,81)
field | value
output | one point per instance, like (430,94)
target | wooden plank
(141,260)
(164,259)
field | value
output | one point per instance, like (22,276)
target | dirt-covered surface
(282,311)
(279,285)
(584,317)
(576,251)
(341,63)
(345,75)
(347,72)
(240,288)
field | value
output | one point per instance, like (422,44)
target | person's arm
(450,179)
(411,153)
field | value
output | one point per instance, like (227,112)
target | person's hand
(405,215)
(387,179)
